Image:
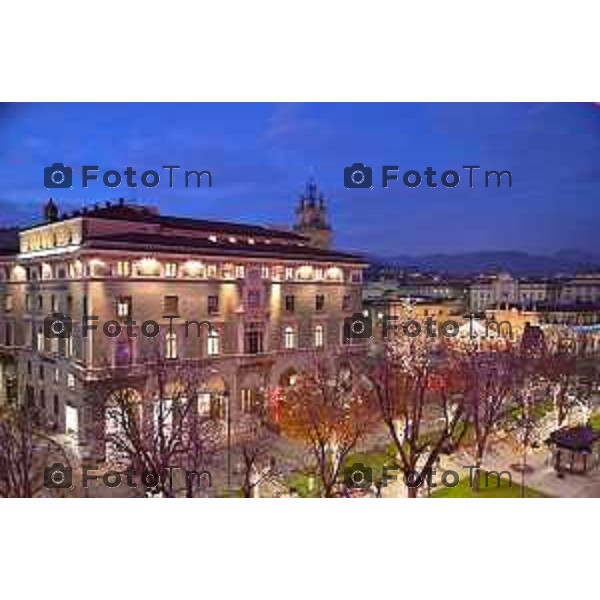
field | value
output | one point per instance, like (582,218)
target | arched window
(213,343)
(289,338)
(171,345)
(319,336)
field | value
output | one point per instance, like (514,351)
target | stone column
(3,396)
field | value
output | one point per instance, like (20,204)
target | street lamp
(227,399)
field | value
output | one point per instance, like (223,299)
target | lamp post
(227,399)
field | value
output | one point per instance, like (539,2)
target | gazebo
(574,448)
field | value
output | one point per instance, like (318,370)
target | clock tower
(312,218)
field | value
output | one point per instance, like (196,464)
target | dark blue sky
(262,154)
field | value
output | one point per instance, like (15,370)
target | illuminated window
(305,272)
(148,267)
(40,340)
(124,268)
(213,343)
(69,347)
(70,381)
(247,400)
(289,338)
(171,269)
(318,273)
(335,274)
(124,306)
(289,273)
(239,271)
(212,270)
(265,272)
(277,273)
(171,345)
(71,420)
(204,403)
(319,336)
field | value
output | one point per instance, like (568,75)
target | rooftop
(191,245)
(123,211)
(142,228)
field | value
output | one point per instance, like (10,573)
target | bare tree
(328,410)
(162,429)
(492,381)
(418,387)
(26,451)
(255,444)
(559,369)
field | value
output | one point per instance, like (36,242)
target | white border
(267,50)
(317,51)
(297,548)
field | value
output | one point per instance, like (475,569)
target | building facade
(241,305)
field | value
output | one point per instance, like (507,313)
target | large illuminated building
(273,298)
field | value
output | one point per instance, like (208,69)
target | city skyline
(261,156)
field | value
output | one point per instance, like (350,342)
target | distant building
(418,286)
(503,289)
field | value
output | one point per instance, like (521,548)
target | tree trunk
(477,476)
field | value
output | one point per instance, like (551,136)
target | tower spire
(312,216)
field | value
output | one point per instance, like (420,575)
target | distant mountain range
(519,264)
